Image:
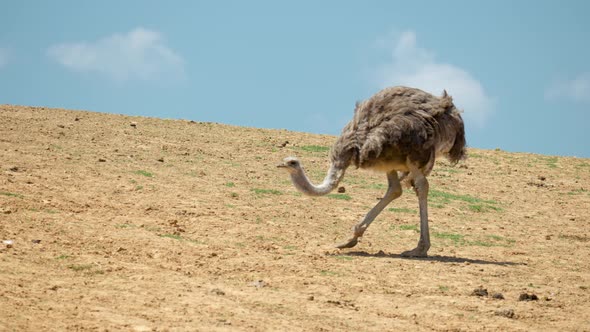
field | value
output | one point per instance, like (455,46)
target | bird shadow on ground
(442,259)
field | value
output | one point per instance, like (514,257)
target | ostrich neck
(330,182)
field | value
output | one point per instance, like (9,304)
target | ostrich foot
(348,244)
(416,252)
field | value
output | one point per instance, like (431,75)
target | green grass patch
(344,197)
(577,191)
(402,210)
(328,273)
(230,184)
(125,225)
(484,208)
(172,236)
(409,228)
(344,258)
(144,173)
(455,238)
(439,199)
(314,148)
(62,257)
(80,267)
(474,155)
(4,193)
(443,288)
(259,191)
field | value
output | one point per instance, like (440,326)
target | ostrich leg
(421,187)
(394,191)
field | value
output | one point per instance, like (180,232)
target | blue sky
(518,69)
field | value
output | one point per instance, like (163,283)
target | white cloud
(576,89)
(138,54)
(417,67)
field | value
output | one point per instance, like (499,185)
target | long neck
(330,182)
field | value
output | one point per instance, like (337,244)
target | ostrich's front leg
(393,191)
(421,187)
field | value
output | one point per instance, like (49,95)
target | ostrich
(399,129)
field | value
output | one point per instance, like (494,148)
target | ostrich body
(399,131)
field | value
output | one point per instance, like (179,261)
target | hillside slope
(132,223)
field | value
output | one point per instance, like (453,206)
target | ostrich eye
(292,163)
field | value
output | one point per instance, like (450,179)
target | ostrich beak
(281,165)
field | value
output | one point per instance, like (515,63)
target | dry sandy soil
(132,223)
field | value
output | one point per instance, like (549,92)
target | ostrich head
(291,164)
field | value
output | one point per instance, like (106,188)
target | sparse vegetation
(439,199)
(314,148)
(80,267)
(4,193)
(144,173)
(344,197)
(172,236)
(259,191)
(403,210)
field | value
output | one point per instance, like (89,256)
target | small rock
(36,241)
(54,288)
(101,160)
(161,160)
(498,296)
(133,124)
(8,243)
(542,178)
(217,291)
(508,313)
(13,169)
(528,297)
(480,292)
(341,190)
(282,145)
(77,119)
(258,284)
(310,298)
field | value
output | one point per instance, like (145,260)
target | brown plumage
(399,129)
(399,123)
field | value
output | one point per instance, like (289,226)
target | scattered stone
(258,284)
(310,298)
(480,292)
(133,124)
(508,313)
(54,288)
(8,243)
(101,160)
(282,145)
(528,297)
(14,169)
(77,119)
(542,178)
(36,241)
(498,296)
(217,291)
(161,160)
(341,190)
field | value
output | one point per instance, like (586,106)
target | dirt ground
(142,224)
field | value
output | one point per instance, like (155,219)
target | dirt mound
(130,223)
